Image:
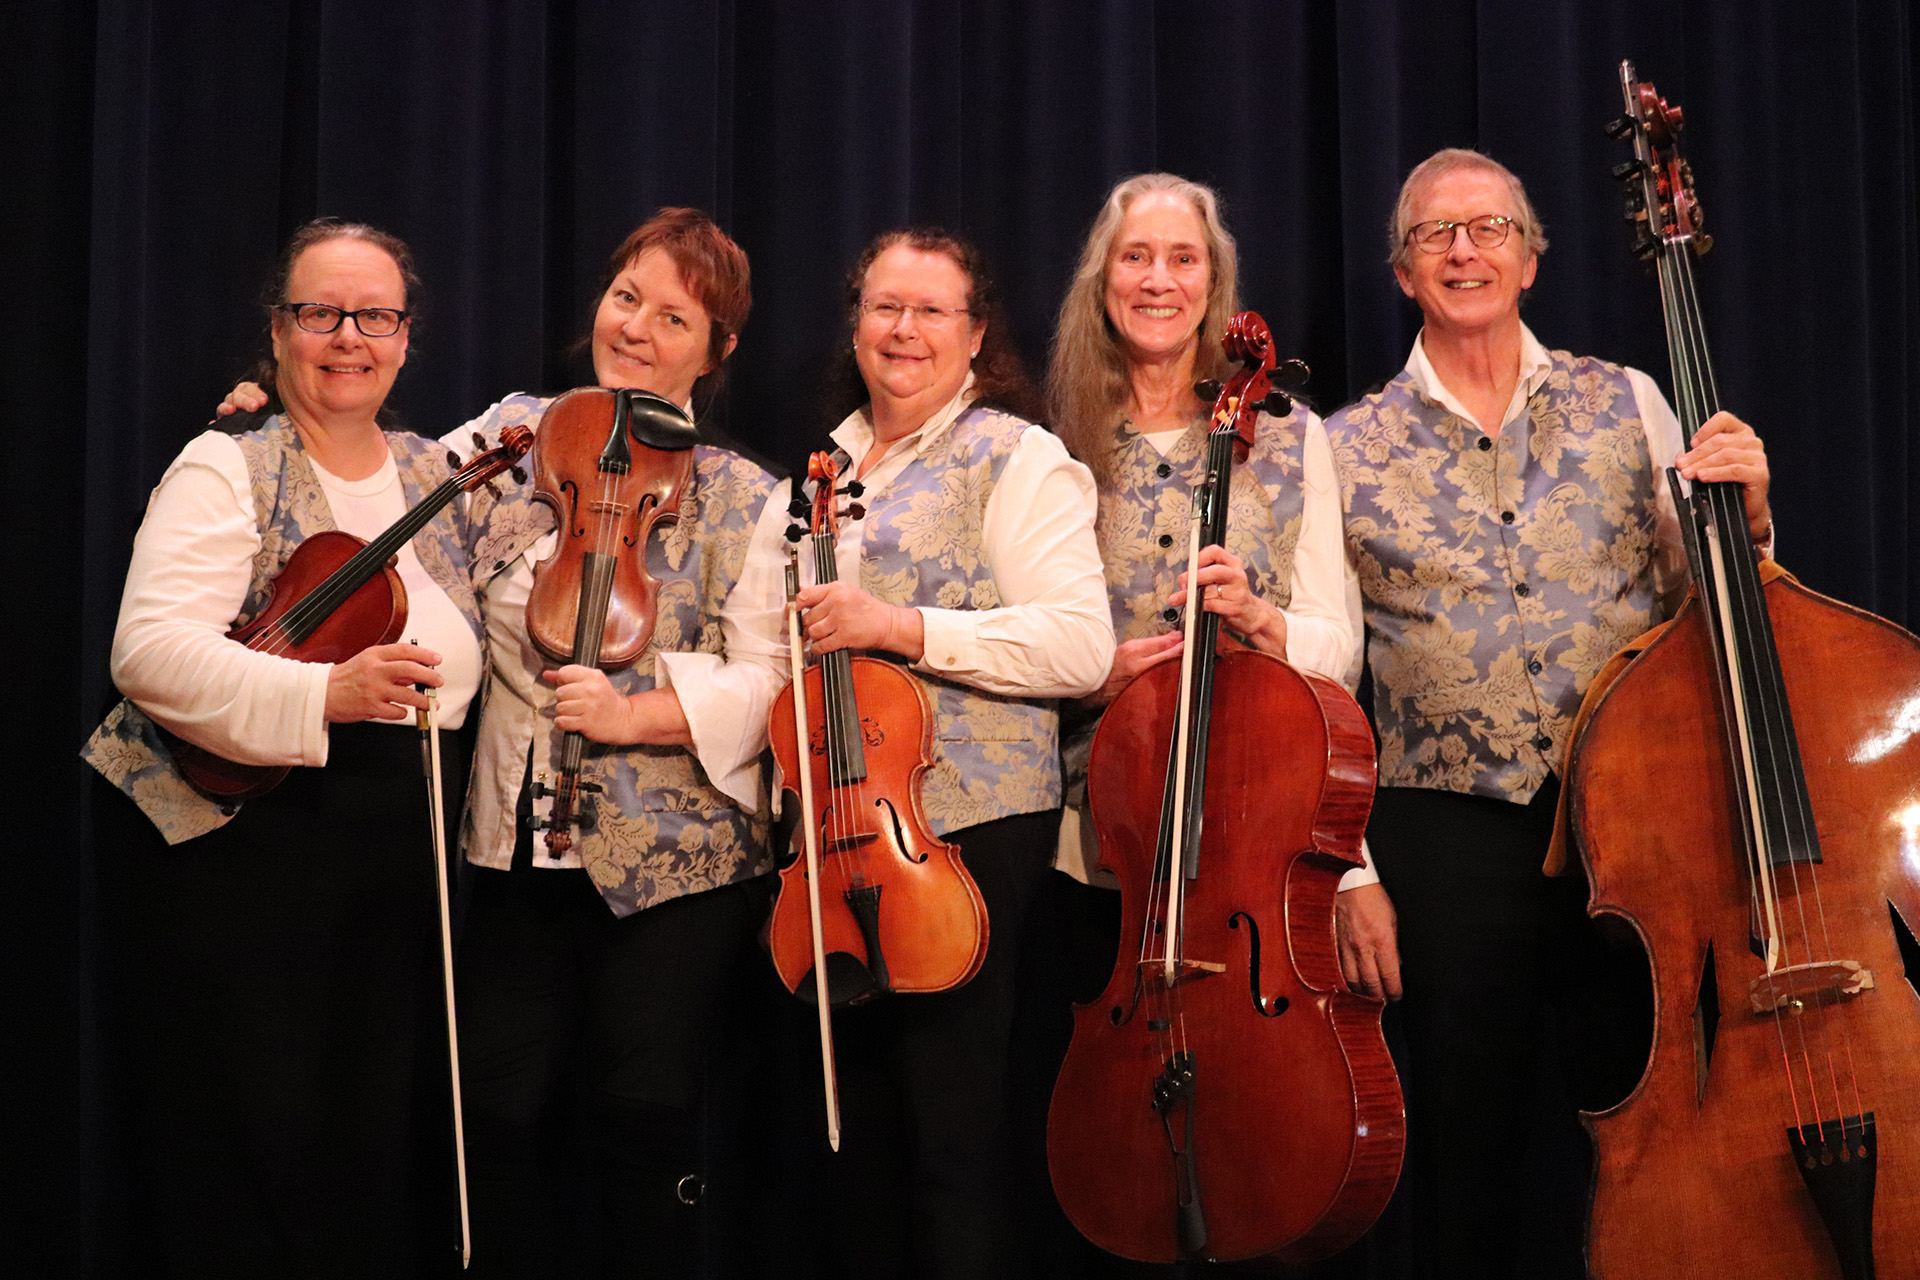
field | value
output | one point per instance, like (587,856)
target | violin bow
(797,664)
(428,720)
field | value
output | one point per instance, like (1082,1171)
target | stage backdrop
(158,153)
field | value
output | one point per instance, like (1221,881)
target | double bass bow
(1775,1133)
(1227,1097)
(335,596)
(899,911)
(593,602)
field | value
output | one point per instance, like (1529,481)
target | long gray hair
(1439,165)
(1087,386)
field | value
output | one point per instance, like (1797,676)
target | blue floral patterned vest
(1499,573)
(1142,529)
(994,756)
(659,828)
(128,748)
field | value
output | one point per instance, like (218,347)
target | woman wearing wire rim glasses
(1511,532)
(276,1023)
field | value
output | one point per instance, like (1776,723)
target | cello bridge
(1793,987)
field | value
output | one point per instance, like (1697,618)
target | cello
(899,911)
(593,602)
(1775,1133)
(1227,1097)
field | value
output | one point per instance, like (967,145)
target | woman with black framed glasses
(277,1023)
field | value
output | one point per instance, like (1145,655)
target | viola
(593,602)
(1227,1097)
(1773,1133)
(335,596)
(898,910)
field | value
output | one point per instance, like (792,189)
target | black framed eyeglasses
(1488,231)
(318,317)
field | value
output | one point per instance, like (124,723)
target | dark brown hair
(266,370)
(999,378)
(714,269)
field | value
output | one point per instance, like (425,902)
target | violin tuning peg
(1207,389)
(519,474)
(854,489)
(1291,374)
(798,508)
(856,512)
(1620,128)
(479,443)
(795,533)
(453,461)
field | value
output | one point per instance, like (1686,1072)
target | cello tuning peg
(856,512)
(798,508)
(1291,374)
(1619,128)
(1207,389)
(1278,403)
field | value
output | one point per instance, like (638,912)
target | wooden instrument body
(1299,1124)
(933,923)
(599,515)
(375,613)
(1692,1187)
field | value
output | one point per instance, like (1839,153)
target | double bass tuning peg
(1620,128)
(1628,170)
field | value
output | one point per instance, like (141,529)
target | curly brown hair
(1000,379)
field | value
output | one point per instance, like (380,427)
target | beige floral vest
(1142,529)
(1499,573)
(129,749)
(994,756)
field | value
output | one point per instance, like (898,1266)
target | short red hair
(712,265)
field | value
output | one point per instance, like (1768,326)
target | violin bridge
(1793,987)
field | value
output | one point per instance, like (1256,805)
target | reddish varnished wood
(612,514)
(1299,1122)
(933,923)
(1685,1188)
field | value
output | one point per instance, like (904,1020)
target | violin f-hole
(572,490)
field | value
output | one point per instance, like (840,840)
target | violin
(1227,1097)
(593,602)
(1775,1132)
(335,596)
(898,910)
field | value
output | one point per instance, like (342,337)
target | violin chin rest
(657,422)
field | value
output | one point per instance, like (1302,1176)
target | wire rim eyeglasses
(1488,231)
(889,313)
(318,317)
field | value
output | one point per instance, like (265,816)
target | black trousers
(275,1027)
(1516,1012)
(924,1183)
(585,1043)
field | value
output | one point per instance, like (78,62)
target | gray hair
(1087,386)
(1439,165)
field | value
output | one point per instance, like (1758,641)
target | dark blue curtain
(157,154)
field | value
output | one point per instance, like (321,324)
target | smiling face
(343,377)
(1158,275)
(1468,289)
(911,365)
(650,332)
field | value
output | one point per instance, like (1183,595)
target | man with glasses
(1511,531)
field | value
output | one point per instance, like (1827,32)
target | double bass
(1227,1097)
(611,463)
(1775,1134)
